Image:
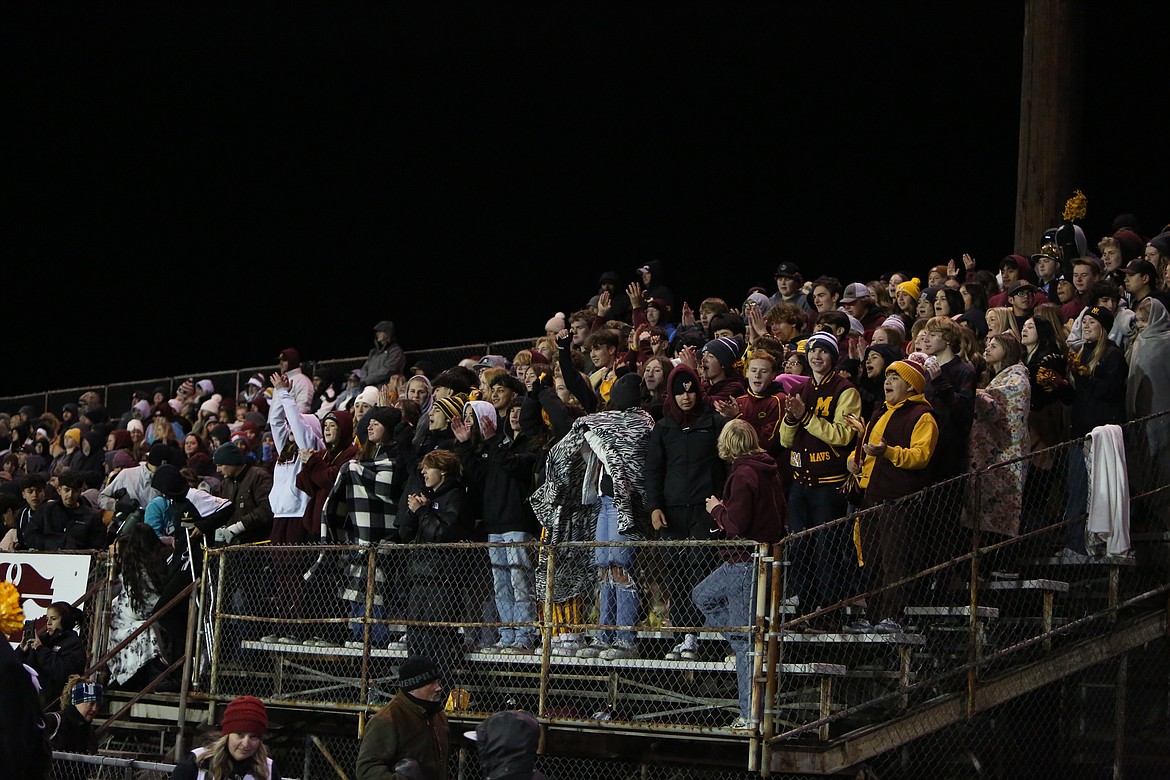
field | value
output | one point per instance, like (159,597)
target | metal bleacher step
(981,612)
(1034,584)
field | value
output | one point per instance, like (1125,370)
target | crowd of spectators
(853,392)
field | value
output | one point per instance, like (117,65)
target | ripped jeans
(619,603)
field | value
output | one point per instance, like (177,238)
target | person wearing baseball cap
(1021,297)
(385,358)
(859,301)
(411,731)
(1141,279)
(239,752)
(788,287)
(898,444)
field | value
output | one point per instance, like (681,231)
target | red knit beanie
(245,715)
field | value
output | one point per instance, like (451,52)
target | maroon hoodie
(753,504)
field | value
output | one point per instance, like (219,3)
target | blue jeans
(817,563)
(379,632)
(727,597)
(512,580)
(618,603)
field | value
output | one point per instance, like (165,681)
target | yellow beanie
(911,287)
(911,372)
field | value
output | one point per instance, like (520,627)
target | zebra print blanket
(567,503)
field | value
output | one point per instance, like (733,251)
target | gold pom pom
(1075,207)
(11,613)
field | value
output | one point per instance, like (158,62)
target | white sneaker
(288,640)
(594,649)
(517,649)
(888,626)
(270,639)
(742,724)
(568,648)
(621,649)
(352,643)
(498,647)
(859,626)
(686,650)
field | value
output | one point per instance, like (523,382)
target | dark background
(193,190)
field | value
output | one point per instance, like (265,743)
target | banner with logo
(41,579)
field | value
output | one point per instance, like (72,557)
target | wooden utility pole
(1050,117)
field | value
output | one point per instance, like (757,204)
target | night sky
(194,190)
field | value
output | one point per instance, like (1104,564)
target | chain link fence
(1030,640)
(996,603)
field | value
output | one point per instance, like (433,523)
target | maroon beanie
(245,715)
(1132,245)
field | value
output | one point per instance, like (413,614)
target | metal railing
(116,396)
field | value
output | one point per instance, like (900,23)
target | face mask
(266,451)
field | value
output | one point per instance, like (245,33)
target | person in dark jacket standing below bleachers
(409,737)
(507,745)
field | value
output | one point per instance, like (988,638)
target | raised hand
(461,429)
(756,325)
(634,291)
(604,305)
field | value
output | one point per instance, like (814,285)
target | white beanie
(134,424)
(211,404)
(370,395)
(556,324)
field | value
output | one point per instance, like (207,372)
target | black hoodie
(507,743)
(682,461)
(657,287)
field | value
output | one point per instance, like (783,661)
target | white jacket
(285,422)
